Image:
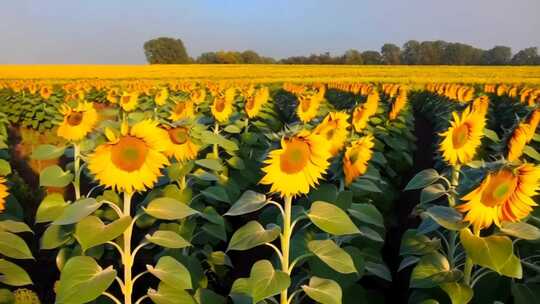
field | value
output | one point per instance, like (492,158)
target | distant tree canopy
(169,50)
(165,50)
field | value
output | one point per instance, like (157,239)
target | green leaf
(252,235)
(77,211)
(331,219)
(250,201)
(47,152)
(331,254)
(323,291)
(50,208)
(422,179)
(491,135)
(264,282)
(494,252)
(12,274)
(91,231)
(54,176)
(521,230)
(458,293)
(210,163)
(531,152)
(216,192)
(13,246)
(166,208)
(379,270)
(367,213)
(14,226)
(55,236)
(233,129)
(168,239)
(432,270)
(82,280)
(5,167)
(431,193)
(447,217)
(364,184)
(236,163)
(169,294)
(171,272)
(417,244)
(525,293)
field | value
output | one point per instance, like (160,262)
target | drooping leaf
(264,281)
(91,231)
(171,272)
(13,246)
(50,208)
(331,254)
(367,213)
(167,239)
(169,294)
(252,235)
(77,211)
(54,176)
(12,274)
(323,291)
(331,219)
(447,217)
(521,230)
(458,293)
(422,179)
(166,208)
(250,201)
(46,152)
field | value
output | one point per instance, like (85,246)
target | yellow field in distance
(279,73)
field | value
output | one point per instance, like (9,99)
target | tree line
(166,50)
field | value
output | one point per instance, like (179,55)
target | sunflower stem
(452,199)
(215,146)
(127,259)
(285,244)
(77,168)
(467,271)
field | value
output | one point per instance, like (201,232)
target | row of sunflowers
(208,192)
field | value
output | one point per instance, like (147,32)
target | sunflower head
(398,105)
(198,96)
(462,138)
(518,140)
(129,101)
(182,146)
(480,105)
(132,161)
(534,119)
(308,107)
(334,130)
(45,92)
(357,155)
(504,195)
(78,121)
(222,108)
(255,101)
(3,193)
(113,95)
(182,110)
(161,96)
(297,166)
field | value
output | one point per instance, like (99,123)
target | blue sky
(107,31)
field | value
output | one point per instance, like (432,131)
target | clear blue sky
(113,31)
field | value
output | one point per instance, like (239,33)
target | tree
(372,57)
(250,56)
(498,55)
(410,53)
(391,53)
(165,50)
(528,56)
(352,57)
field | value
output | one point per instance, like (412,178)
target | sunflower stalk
(215,147)
(77,169)
(286,243)
(127,259)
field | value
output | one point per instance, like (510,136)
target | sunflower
(398,105)
(334,129)
(463,137)
(517,141)
(308,107)
(534,119)
(78,121)
(45,92)
(3,193)
(355,160)
(133,160)
(504,195)
(181,145)
(361,114)
(298,165)
(255,102)
(182,110)
(480,105)
(198,96)
(222,108)
(113,95)
(129,101)
(161,97)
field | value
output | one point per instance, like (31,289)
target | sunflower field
(215,191)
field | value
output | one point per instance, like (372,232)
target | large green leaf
(50,208)
(332,219)
(54,176)
(14,226)
(494,252)
(210,163)
(55,236)
(417,244)
(168,239)
(166,208)
(216,192)
(335,257)
(458,293)
(171,272)
(526,293)
(432,192)
(167,294)
(12,274)
(323,291)
(250,201)
(46,152)
(264,282)
(91,231)
(252,235)
(432,270)
(521,230)
(82,280)
(13,246)
(367,213)
(77,211)
(447,217)
(422,179)
(5,167)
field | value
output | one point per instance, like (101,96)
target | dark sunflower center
(126,99)
(305,104)
(460,136)
(129,153)
(295,157)
(220,104)
(250,103)
(500,187)
(179,135)
(75,118)
(180,107)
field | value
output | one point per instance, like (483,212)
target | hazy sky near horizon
(113,32)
